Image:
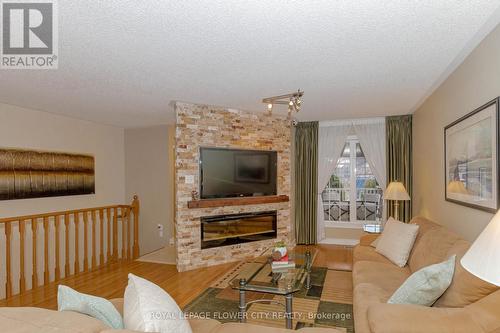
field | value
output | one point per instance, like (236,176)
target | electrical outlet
(171,242)
(160,230)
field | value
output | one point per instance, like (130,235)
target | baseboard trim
(340,241)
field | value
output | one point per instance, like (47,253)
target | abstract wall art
(35,174)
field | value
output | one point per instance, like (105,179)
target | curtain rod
(355,121)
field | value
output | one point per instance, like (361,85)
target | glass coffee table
(285,281)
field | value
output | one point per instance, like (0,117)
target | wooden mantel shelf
(207,203)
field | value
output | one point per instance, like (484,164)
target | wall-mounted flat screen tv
(226,173)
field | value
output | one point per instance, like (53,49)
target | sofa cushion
(397,240)
(368,253)
(250,328)
(432,248)
(366,295)
(367,239)
(204,325)
(407,318)
(424,225)
(386,276)
(465,288)
(22,320)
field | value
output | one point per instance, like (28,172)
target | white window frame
(353,224)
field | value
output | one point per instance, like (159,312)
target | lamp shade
(457,187)
(483,257)
(396,191)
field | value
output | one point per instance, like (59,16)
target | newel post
(8,280)
(135,209)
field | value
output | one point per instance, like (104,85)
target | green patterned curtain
(306,182)
(399,160)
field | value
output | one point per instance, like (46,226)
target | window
(352,175)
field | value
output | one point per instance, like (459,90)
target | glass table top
(257,274)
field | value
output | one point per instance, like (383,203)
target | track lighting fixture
(293,100)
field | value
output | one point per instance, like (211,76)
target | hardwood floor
(110,282)
(334,257)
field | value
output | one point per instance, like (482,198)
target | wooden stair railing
(107,219)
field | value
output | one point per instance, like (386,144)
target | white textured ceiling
(121,62)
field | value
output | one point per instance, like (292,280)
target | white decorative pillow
(426,285)
(396,241)
(148,308)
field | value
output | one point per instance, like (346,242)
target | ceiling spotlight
(270,108)
(298,102)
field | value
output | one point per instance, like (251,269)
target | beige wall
(475,82)
(24,128)
(343,234)
(149,174)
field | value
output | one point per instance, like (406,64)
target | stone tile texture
(210,126)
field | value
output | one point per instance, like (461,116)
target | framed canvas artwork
(471,158)
(35,174)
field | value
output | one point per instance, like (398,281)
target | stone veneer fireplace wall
(211,126)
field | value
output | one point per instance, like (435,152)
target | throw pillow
(396,241)
(100,308)
(148,308)
(426,285)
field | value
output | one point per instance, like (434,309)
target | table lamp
(483,257)
(396,192)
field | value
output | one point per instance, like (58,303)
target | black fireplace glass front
(223,230)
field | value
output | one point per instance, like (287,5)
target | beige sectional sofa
(37,320)
(470,305)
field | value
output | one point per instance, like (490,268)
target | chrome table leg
(308,270)
(288,311)
(243,304)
